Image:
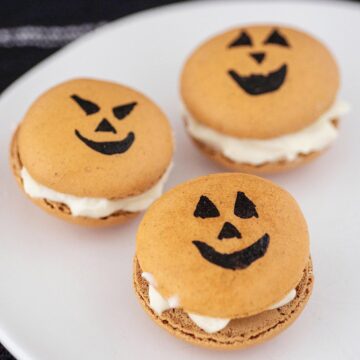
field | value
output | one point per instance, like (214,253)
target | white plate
(66,292)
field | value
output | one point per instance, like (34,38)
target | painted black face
(106,147)
(244,208)
(258,84)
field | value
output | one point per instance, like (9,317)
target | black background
(14,61)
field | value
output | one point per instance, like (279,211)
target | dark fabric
(55,12)
(16,59)
(4,354)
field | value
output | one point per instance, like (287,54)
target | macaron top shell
(259,82)
(92,138)
(228,245)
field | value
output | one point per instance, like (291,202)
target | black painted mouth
(108,147)
(238,259)
(257,84)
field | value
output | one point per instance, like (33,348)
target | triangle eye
(276,38)
(205,208)
(242,40)
(86,105)
(122,111)
(244,208)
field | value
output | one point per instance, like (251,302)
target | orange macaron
(223,261)
(262,98)
(92,152)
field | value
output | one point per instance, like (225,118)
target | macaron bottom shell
(240,333)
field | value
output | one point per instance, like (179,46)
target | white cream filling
(94,207)
(157,302)
(209,324)
(289,297)
(315,137)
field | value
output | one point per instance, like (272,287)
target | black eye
(242,40)
(88,106)
(276,38)
(205,208)
(122,111)
(244,207)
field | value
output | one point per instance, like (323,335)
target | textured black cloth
(27,33)
(4,354)
(31,30)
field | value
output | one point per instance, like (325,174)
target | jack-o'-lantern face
(120,112)
(244,208)
(258,83)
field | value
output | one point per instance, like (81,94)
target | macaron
(262,98)
(92,152)
(223,261)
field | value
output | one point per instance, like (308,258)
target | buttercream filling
(315,137)
(94,207)
(210,325)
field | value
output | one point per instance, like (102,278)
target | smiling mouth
(108,147)
(257,84)
(238,259)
